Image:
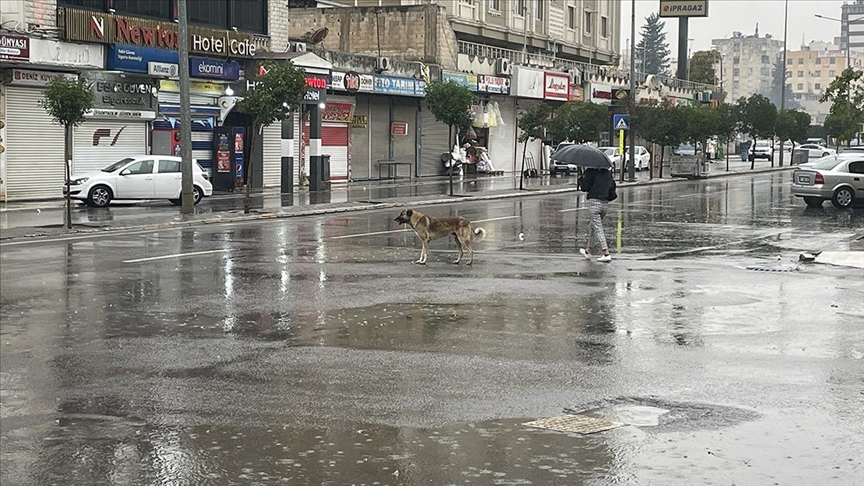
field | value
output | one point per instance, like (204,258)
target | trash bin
(800,156)
(325,171)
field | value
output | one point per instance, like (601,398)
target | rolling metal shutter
(34,148)
(271,160)
(202,138)
(502,139)
(99,143)
(334,141)
(433,143)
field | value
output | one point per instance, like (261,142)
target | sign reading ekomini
(106,28)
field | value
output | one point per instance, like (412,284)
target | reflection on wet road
(311,351)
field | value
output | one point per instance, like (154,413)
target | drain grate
(580,424)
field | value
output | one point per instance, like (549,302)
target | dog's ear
(409,213)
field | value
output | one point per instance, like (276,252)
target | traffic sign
(621,122)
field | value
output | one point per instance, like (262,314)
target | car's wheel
(198,195)
(99,197)
(813,202)
(843,198)
(825,154)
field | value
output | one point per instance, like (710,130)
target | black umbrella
(583,156)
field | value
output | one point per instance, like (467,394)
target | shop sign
(397,86)
(27,77)
(462,79)
(316,88)
(352,82)
(14,48)
(399,129)
(162,69)
(528,82)
(123,93)
(121,114)
(106,28)
(577,93)
(337,112)
(493,84)
(200,67)
(58,53)
(683,8)
(601,94)
(195,87)
(556,86)
(359,121)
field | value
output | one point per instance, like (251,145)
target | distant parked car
(685,149)
(643,158)
(815,151)
(141,177)
(614,156)
(762,150)
(838,179)
(816,141)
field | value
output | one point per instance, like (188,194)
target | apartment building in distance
(748,63)
(852,26)
(811,69)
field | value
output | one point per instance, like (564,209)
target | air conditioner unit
(383,63)
(298,47)
(575,76)
(503,67)
(703,96)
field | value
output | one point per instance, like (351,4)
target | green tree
(450,103)
(653,47)
(778,83)
(728,125)
(846,94)
(757,118)
(275,96)
(701,122)
(702,67)
(579,122)
(532,124)
(792,125)
(663,125)
(67,100)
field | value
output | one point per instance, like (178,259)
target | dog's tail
(479,234)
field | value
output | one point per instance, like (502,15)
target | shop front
(351,90)
(495,120)
(528,89)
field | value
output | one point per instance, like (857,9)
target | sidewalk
(45,218)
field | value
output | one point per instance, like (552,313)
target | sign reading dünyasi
(683,8)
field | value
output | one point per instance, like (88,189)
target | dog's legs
(461,251)
(423,253)
(470,253)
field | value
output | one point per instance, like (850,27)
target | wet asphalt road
(311,351)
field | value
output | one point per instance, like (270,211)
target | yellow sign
(359,121)
(621,142)
(195,87)
(683,8)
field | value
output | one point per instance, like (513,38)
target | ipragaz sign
(683,8)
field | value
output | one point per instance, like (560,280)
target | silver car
(839,179)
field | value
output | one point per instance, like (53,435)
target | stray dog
(429,228)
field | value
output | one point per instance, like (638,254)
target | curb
(365,207)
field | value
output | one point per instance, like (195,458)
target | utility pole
(631,169)
(188,203)
(783,82)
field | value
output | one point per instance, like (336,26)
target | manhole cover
(575,423)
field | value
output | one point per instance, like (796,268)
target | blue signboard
(397,86)
(462,79)
(620,122)
(201,67)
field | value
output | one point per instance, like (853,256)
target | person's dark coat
(597,183)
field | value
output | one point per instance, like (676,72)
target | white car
(643,158)
(141,177)
(815,151)
(614,156)
(762,150)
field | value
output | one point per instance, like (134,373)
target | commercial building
(852,26)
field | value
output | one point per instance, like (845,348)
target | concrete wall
(411,33)
(42,13)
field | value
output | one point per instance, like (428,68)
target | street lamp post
(783,82)
(632,166)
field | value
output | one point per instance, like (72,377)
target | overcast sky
(727,16)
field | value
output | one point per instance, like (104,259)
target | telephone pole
(188,203)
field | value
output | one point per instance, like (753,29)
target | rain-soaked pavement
(311,351)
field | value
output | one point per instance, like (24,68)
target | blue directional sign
(620,122)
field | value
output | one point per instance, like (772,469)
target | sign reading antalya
(683,8)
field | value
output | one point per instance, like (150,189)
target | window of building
(146,8)
(800,60)
(800,74)
(736,60)
(88,4)
(818,74)
(800,86)
(539,10)
(736,72)
(832,73)
(765,59)
(817,86)
(818,60)
(766,71)
(788,62)
(604,27)
(249,15)
(749,71)
(833,60)
(572,19)
(520,7)
(495,5)
(589,17)
(736,84)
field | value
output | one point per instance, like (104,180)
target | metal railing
(523,58)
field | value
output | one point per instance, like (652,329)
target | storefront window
(250,15)
(160,9)
(88,4)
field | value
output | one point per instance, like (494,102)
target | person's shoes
(605,258)
(585,253)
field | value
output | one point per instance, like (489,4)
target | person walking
(600,186)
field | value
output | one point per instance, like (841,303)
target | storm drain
(580,424)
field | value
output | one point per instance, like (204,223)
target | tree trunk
(452,160)
(67,162)
(662,156)
(753,159)
(522,170)
(253,135)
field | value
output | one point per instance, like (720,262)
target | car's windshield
(826,163)
(762,144)
(609,150)
(117,165)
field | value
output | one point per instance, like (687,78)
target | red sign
(14,48)
(577,93)
(556,86)
(399,129)
(316,82)
(337,112)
